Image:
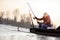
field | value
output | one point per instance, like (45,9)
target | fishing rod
(30,9)
(32,25)
(31,14)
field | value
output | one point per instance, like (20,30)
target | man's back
(47,20)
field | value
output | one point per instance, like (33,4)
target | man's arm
(38,18)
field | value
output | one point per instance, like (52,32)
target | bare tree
(16,12)
(1,14)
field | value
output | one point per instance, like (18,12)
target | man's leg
(44,26)
(40,25)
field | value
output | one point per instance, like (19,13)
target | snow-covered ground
(10,33)
(12,28)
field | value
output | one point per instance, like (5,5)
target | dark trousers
(43,26)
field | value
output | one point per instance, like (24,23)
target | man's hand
(34,17)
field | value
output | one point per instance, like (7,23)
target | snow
(12,28)
(8,32)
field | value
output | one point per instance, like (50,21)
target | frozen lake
(10,33)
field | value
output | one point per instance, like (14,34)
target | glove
(35,18)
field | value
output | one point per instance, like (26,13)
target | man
(46,21)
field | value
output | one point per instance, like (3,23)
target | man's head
(45,14)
